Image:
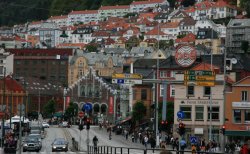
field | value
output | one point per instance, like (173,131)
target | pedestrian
(95,141)
(152,143)
(145,141)
(244,149)
(133,137)
(183,145)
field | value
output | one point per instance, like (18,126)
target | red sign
(185,55)
(81,114)
(111,105)
(67,101)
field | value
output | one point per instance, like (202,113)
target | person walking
(95,141)
(145,141)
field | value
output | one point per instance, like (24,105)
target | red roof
(204,5)
(222,3)
(146,2)
(11,85)
(187,39)
(40,52)
(114,7)
(58,17)
(100,33)
(84,12)
(205,67)
(81,45)
(109,41)
(155,31)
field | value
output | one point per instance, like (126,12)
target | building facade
(238,111)
(238,31)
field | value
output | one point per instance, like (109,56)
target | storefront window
(199,110)
(187,112)
(247,116)
(215,113)
(237,116)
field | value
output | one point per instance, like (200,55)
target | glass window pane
(190,90)
(237,116)
(187,111)
(247,116)
(199,113)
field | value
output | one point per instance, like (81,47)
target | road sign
(193,139)
(87,107)
(180,114)
(126,81)
(126,76)
(81,114)
(119,81)
(205,83)
(202,73)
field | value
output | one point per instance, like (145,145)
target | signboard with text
(200,78)
(126,76)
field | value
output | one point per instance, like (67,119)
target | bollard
(145,151)
(121,150)
(128,150)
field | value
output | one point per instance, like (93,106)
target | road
(73,132)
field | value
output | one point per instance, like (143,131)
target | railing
(126,150)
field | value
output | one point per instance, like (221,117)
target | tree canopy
(50,108)
(139,111)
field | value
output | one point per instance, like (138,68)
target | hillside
(20,11)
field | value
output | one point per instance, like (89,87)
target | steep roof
(170,25)
(186,39)
(11,85)
(58,17)
(146,2)
(155,31)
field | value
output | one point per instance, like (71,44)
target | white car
(45,125)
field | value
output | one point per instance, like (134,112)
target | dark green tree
(71,111)
(247,6)
(139,111)
(50,108)
(91,48)
(245,46)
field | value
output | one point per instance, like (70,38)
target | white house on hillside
(86,16)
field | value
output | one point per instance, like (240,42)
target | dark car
(60,144)
(31,144)
(117,129)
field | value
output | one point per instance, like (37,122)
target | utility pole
(4,88)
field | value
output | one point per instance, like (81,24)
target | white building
(206,23)
(112,11)
(82,35)
(195,102)
(139,6)
(61,21)
(6,62)
(211,10)
(171,28)
(86,16)
(49,35)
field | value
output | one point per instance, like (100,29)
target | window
(215,113)
(163,74)
(187,112)
(207,91)
(172,74)
(247,116)
(161,90)
(199,110)
(244,96)
(172,91)
(237,116)
(144,94)
(190,91)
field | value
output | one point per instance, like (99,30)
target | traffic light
(181,129)
(88,124)
(223,129)
(164,125)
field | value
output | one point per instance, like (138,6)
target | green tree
(71,111)
(91,48)
(248,8)
(50,108)
(139,111)
(245,46)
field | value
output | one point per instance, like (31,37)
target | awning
(125,120)
(237,133)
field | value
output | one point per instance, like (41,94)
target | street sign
(193,139)
(180,114)
(200,78)
(126,76)
(87,107)
(205,83)
(126,81)
(81,114)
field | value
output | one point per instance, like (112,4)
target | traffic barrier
(126,150)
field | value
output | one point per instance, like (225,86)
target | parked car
(60,144)
(32,144)
(45,125)
(64,124)
(38,136)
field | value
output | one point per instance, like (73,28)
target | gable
(244,81)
